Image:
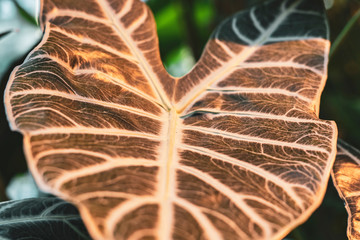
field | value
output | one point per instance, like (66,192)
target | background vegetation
(184,27)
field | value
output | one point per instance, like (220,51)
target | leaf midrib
(168,177)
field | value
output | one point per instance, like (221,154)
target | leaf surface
(232,150)
(346,178)
(40,218)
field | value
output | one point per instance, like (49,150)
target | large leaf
(232,150)
(40,218)
(346,177)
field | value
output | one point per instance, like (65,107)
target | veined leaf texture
(232,150)
(40,218)
(345,174)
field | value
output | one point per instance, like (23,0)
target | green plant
(237,140)
(40,218)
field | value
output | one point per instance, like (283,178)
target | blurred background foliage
(184,27)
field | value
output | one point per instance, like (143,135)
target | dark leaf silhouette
(40,218)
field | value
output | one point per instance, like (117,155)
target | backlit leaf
(346,176)
(232,150)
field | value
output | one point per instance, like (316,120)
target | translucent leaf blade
(345,175)
(146,155)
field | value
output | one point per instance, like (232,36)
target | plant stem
(344,32)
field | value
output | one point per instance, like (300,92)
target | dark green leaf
(40,218)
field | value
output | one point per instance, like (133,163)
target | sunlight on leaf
(346,177)
(234,149)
